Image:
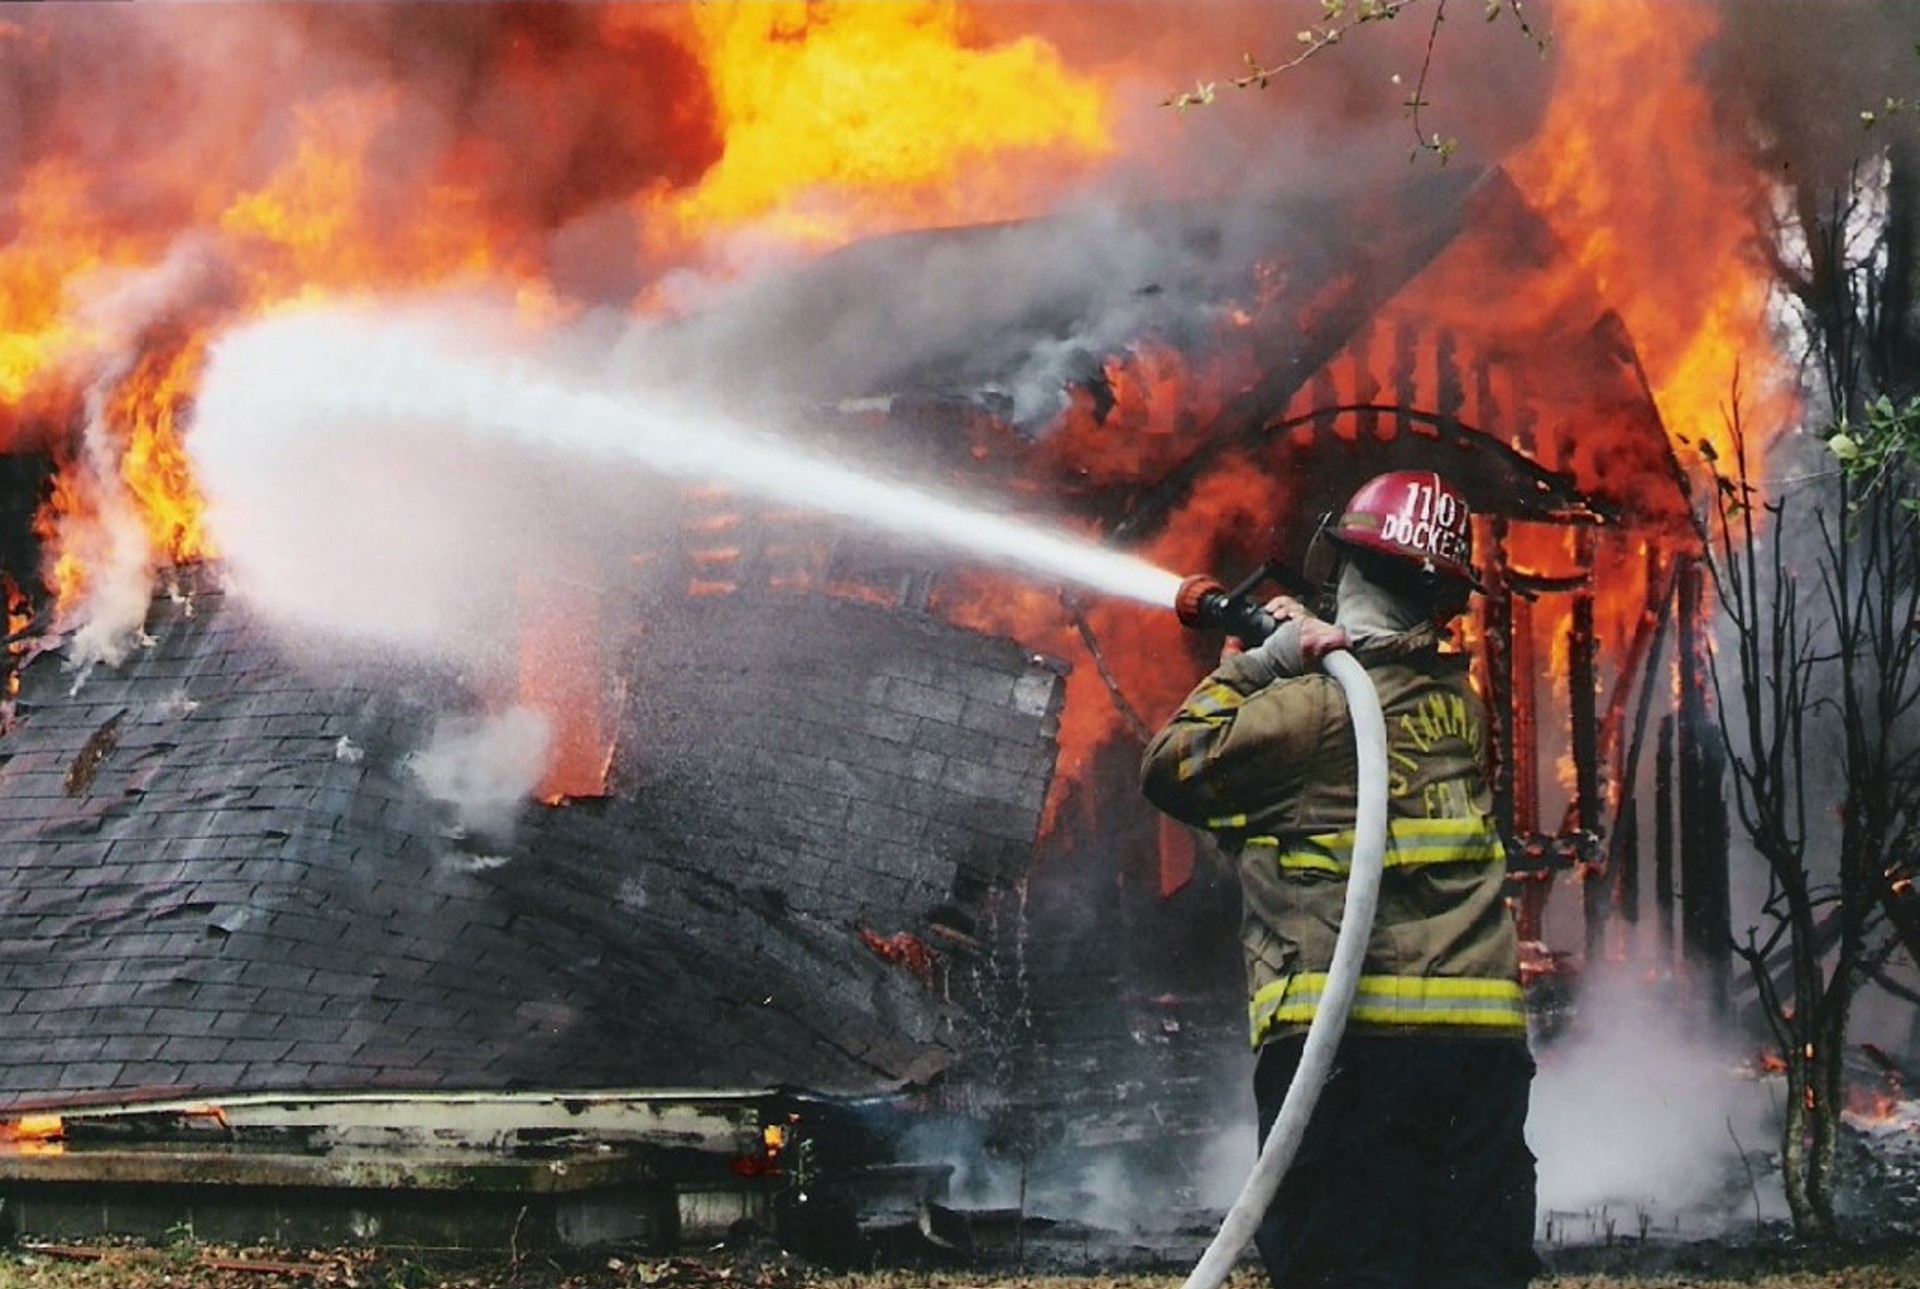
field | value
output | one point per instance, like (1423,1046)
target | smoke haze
(1647,1110)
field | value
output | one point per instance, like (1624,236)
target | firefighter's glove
(1279,655)
(1294,649)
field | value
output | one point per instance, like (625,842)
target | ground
(32,1265)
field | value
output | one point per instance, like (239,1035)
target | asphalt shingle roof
(218,872)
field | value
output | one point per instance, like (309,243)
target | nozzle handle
(1247,620)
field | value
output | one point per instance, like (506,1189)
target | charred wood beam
(1643,654)
(1524,745)
(1452,395)
(1406,360)
(1535,585)
(1637,669)
(1526,777)
(1142,731)
(1622,760)
(1497,629)
(1623,861)
(1366,390)
(1663,837)
(1584,735)
(1706,915)
(1525,488)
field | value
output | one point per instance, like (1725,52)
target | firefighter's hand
(1279,654)
(1285,608)
(1301,641)
(1318,639)
(1282,608)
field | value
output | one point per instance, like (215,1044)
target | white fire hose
(1343,979)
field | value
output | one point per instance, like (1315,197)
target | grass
(184,1264)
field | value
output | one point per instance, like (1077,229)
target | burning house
(357,751)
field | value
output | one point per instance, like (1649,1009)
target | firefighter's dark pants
(1414,1172)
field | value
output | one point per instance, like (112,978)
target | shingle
(309,910)
(192,1049)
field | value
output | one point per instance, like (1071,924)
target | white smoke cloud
(115,307)
(1646,1112)
(484,769)
(389,518)
(376,473)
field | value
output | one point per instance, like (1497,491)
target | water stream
(336,371)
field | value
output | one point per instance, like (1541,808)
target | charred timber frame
(1523,742)
(1642,666)
(1497,623)
(1584,733)
(1706,917)
(1663,838)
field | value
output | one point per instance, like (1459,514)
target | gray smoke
(1649,1112)
(485,768)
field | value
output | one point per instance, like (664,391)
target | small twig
(513,1238)
(265,1267)
(1313,40)
(1344,16)
(1418,99)
(1753,1182)
(213,1262)
(65,1252)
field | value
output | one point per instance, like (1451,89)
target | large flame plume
(637,157)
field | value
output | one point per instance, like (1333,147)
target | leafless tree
(1817,587)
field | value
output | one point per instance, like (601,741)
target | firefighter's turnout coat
(1268,764)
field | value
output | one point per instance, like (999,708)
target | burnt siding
(217,873)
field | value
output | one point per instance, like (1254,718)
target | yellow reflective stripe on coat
(1394,1000)
(1210,705)
(1409,842)
(1214,700)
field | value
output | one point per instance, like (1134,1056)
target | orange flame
(1626,164)
(313,229)
(34,1134)
(562,675)
(844,118)
(148,405)
(58,240)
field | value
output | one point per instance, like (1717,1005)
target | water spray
(345,374)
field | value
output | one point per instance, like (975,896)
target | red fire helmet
(1412,515)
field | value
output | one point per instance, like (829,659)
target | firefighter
(1414,1171)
